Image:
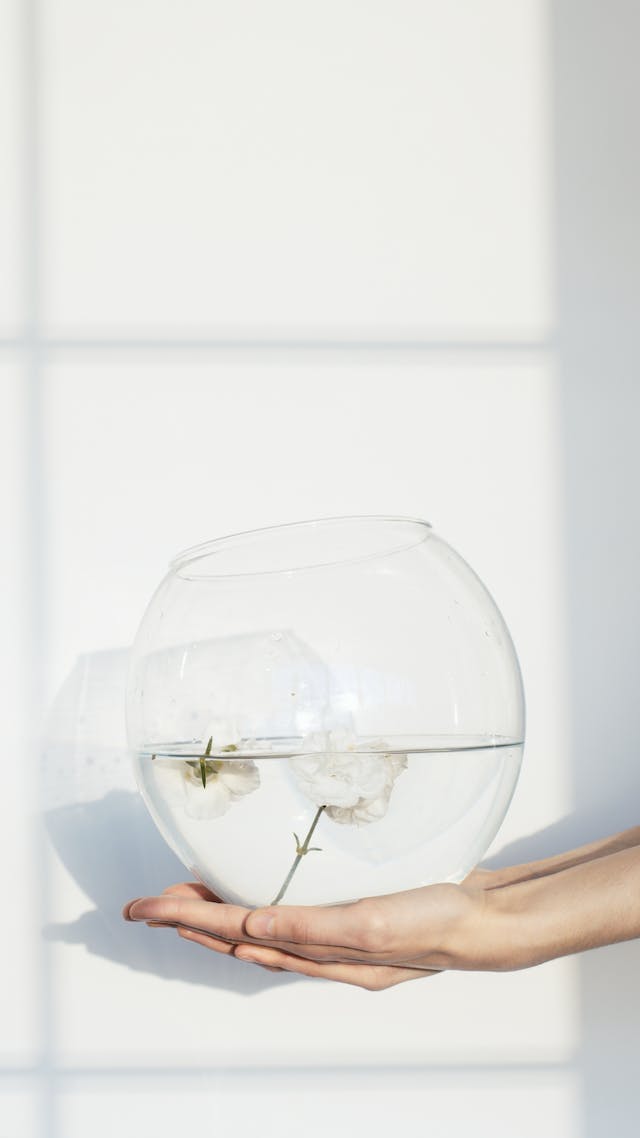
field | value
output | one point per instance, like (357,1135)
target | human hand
(496,920)
(373,943)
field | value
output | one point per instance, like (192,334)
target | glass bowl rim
(200,552)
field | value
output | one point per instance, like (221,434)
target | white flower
(180,782)
(353,784)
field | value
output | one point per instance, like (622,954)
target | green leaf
(203,764)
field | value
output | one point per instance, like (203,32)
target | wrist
(499,932)
(514,920)
(536,920)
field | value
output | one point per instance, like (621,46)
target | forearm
(594,903)
(513,874)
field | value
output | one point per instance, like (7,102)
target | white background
(267,261)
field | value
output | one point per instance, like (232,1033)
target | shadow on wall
(103,834)
(597,196)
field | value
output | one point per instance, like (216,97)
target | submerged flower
(347,780)
(353,784)
(372,809)
(226,782)
(206,787)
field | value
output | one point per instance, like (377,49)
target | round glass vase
(324,711)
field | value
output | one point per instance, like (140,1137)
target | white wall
(265,262)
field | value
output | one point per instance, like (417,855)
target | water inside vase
(250,822)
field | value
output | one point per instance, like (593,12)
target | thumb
(331,924)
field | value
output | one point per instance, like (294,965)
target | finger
(221,946)
(338,954)
(211,943)
(334,925)
(362,931)
(318,952)
(224,947)
(192,889)
(370,976)
(225,922)
(229,922)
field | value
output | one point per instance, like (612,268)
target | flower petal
(207,802)
(355,785)
(240,777)
(169,778)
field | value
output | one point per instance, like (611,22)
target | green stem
(301,850)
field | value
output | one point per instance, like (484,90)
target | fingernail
(260,924)
(126,911)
